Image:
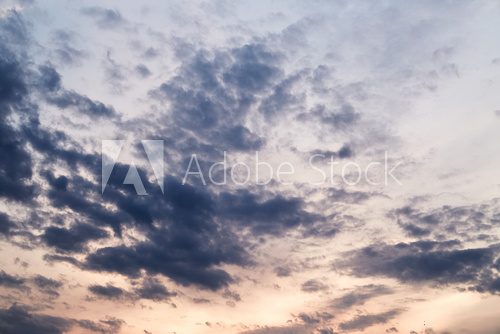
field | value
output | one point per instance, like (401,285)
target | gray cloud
(47,285)
(104,18)
(464,222)
(19,320)
(433,262)
(293,329)
(313,285)
(11,281)
(360,295)
(360,322)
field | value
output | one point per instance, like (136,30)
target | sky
(249,167)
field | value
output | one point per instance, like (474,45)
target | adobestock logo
(110,151)
(320,170)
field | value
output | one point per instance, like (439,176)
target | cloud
(293,329)
(217,99)
(44,284)
(74,239)
(19,320)
(15,161)
(16,320)
(464,222)
(10,281)
(360,296)
(65,51)
(104,18)
(213,92)
(282,271)
(51,258)
(315,318)
(107,291)
(344,152)
(343,118)
(274,216)
(177,252)
(49,82)
(158,258)
(360,322)
(152,288)
(47,285)
(142,70)
(313,285)
(116,74)
(110,325)
(433,262)
(283,98)
(6,225)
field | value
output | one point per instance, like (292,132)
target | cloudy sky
(318,167)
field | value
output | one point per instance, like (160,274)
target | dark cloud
(185,237)
(360,322)
(81,103)
(49,79)
(15,86)
(107,291)
(15,166)
(51,258)
(283,98)
(193,235)
(314,318)
(110,325)
(201,301)
(340,195)
(186,247)
(73,194)
(292,329)
(360,295)
(181,252)
(49,83)
(212,94)
(437,263)
(73,239)
(313,285)
(275,215)
(326,330)
(189,261)
(6,224)
(44,284)
(47,285)
(13,282)
(17,320)
(283,271)
(15,160)
(152,288)
(233,295)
